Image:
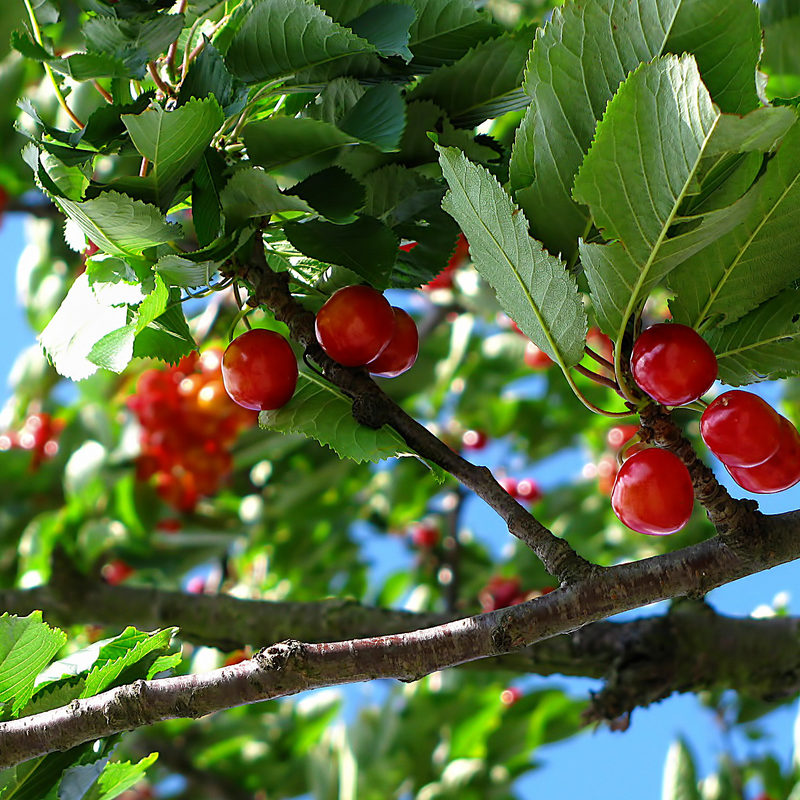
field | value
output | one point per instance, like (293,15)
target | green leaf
(173,142)
(534,288)
(680,778)
(333,193)
(26,646)
(279,37)
(252,193)
(485,83)
(661,118)
(585,51)
(168,337)
(105,125)
(763,344)
(79,67)
(129,655)
(757,259)
(209,77)
(70,182)
(180,271)
(385,26)
(366,246)
(120,225)
(319,411)
(115,350)
(132,41)
(82,320)
(378,118)
(275,142)
(120,776)
(207,185)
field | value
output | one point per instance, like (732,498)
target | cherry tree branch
(374,408)
(290,667)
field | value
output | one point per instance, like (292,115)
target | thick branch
(372,407)
(291,667)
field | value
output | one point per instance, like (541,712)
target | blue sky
(598,764)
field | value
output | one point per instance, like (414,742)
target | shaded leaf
(385,26)
(378,117)
(209,77)
(251,192)
(333,193)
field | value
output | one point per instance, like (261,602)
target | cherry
(444,280)
(474,440)
(259,370)
(510,696)
(401,352)
(408,246)
(741,429)
(425,536)
(673,363)
(536,358)
(778,472)
(116,571)
(355,325)
(529,490)
(196,585)
(501,592)
(620,434)
(511,485)
(653,492)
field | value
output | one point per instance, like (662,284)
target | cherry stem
(106,95)
(173,48)
(159,81)
(598,358)
(623,451)
(601,379)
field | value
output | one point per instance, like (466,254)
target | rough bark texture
(291,666)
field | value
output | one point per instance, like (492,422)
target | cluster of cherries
(188,426)
(761,449)
(503,592)
(38,434)
(357,327)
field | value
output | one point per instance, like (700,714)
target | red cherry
(536,358)
(741,429)
(408,246)
(620,434)
(778,472)
(355,325)
(474,440)
(169,525)
(673,363)
(501,592)
(461,253)
(236,657)
(511,485)
(401,352)
(653,492)
(259,370)
(424,536)
(510,696)
(196,585)
(529,491)
(116,571)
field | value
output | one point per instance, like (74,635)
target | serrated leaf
(378,118)
(173,142)
(252,193)
(69,181)
(180,271)
(131,649)
(132,41)
(168,338)
(277,38)
(120,776)
(80,322)
(274,142)
(120,225)
(26,646)
(319,411)
(333,193)
(763,344)
(680,778)
(385,26)
(485,83)
(209,77)
(533,287)
(583,54)
(662,118)
(115,350)
(366,246)
(105,125)
(78,780)
(757,259)
(207,185)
